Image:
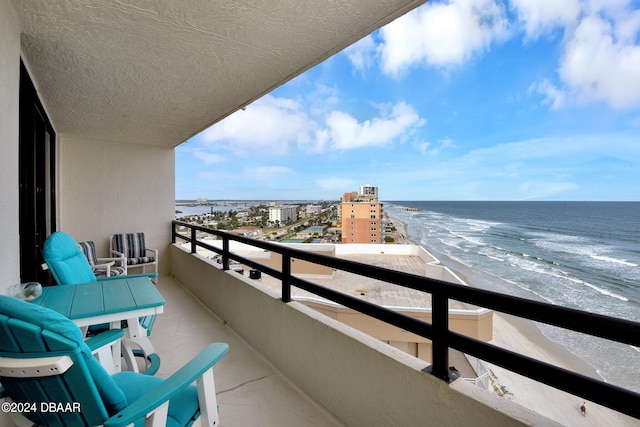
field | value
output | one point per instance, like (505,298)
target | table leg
(135,334)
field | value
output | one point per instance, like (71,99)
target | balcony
(116,129)
(353,378)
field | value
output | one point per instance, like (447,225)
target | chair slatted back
(22,340)
(132,245)
(89,250)
(32,336)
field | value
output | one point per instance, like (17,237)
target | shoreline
(526,327)
(523,336)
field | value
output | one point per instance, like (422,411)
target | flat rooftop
(369,289)
(379,292)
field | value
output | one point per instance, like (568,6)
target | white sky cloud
(322,100)
(360,53)
(553,96)
(601,57)
(441,34)
(208,157)
(542,16)
(595,34)
(273,124)
(277,124)
(428,148)
(345,132)
(599,67)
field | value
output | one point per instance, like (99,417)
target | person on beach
(583,409)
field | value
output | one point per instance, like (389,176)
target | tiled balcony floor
(250,391)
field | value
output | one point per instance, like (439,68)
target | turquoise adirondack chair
(69,266)
(48,371)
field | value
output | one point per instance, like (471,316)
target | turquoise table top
(97,299)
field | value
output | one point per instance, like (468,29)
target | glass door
(37,208)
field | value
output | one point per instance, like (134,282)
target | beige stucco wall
(97,197)
(374,249)
(298,266)
(474,323)
(9,113)
(360,380)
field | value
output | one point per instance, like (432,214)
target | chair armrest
(152,251)
(169,387)
(104,263)
(104,267)
(106,348)
(120,261)
(105,338)
(117,254)
(109,260)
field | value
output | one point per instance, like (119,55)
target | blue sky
(457,100)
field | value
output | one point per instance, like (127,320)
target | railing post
(440,344)
(194,248)
(286,277)
(225,253)
(173,233)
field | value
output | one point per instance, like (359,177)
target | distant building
(283,213)
(369,191)
(317,231)
(254,232)
(361,215)
(202,200)
(358,197)
(310,211)
(347,197)
(314,209)
(242,215)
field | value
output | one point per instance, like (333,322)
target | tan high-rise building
(361,215)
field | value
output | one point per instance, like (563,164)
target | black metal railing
(442,338)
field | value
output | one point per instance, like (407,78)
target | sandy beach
(523,336)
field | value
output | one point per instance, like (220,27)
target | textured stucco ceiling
(159,71)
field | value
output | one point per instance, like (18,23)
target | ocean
(584,255)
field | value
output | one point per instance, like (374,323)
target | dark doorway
(37,181)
